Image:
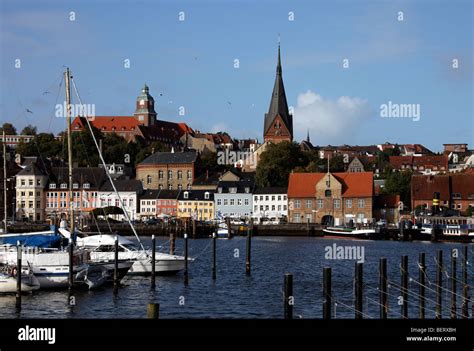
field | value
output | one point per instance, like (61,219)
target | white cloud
(329,121)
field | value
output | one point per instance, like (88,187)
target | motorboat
(101,248)
(8,281)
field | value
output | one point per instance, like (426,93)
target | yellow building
(196,204)
(30,197)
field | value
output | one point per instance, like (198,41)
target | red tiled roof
(358,184)
(434,162)
(108,123)
(424,186)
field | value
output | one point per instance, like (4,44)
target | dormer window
(52,186)
(75,185)
(219,190)
(206,195)
(63,186)
(86,186)
(186,195)
(247,190)
(232,190)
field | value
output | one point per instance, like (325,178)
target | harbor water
(236,295)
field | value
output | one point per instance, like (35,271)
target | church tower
(278,125)
(145,108)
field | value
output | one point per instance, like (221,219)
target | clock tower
(145,108)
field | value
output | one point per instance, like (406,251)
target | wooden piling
(229,228)
(422,280)
(327,294)
(116,260)
(383,288)
(153,261)
(185,258)
(153,311)
(465,289)
(18,277)
(439,283)
(289,299)
(248,251)
(358,287)
(214,255)
(453,313)
(404,282)
(71,264)
(194,229)
(172,243)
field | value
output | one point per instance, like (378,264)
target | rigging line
(353,309)
(107,171)
(450,291)
(417,295)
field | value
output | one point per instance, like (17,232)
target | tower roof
(278,103)
(145,95)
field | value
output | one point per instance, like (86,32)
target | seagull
(195,58)
(28,110)
(46,92)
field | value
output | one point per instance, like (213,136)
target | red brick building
(429,164)
(330,197)
(456,190)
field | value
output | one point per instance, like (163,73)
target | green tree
(43,145)
(399,183)
(276,163)
(29,130)
(8,128)
(470,211)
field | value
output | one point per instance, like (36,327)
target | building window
(239,202)
(297,203)
(190,175)
(232,190)
(180,186)
(30,204)
(160,186)
(247,190)
(52,186)
(186,195)
(160,174)
(75,186)
(63,186)
(361,203)
(266,197)
(296,218)
(337,203)
(170,174)
(148,179)
(219,202)
(86,186)
(320,203)
(349,203)
(38,182)
(225,202)
(170,186)
(22,182)
(180,174)
(327,193)
(30,182)
(309,203)
(206,195)
(279,197)
(232,202)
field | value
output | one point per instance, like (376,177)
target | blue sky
(191,63)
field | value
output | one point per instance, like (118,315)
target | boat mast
(69,150)
(5,180)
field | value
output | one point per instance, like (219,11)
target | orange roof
(359,184)
(108,123)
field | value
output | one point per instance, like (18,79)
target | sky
(212,64)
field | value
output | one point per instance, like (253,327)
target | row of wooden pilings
(383,289)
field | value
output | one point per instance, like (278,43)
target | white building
(271,203)
(129,191)
(30,198)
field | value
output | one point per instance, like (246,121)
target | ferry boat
(450,227)
(349,232)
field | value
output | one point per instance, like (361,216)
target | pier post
(116,274)
(248,251)
(172,242)
(229,228)
(214,255)
(153,311)
(153,258)
(421,279)
(194,229)
(18,277)
(289,300)
(453,314)
(71,264)
(383,288)
(327,294)
(358,287)
(439,283)
(465,290)
(185,258)
(405,287)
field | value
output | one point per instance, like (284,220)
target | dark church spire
(278,123)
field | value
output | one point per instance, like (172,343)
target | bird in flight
(28,110)
(46,92)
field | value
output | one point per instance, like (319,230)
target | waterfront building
(270,203)
(337,198)
(30,197)
(196,204)
(154,203)
(168,170)
(387,207)
(128,190)
(233,197)
(427,164)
